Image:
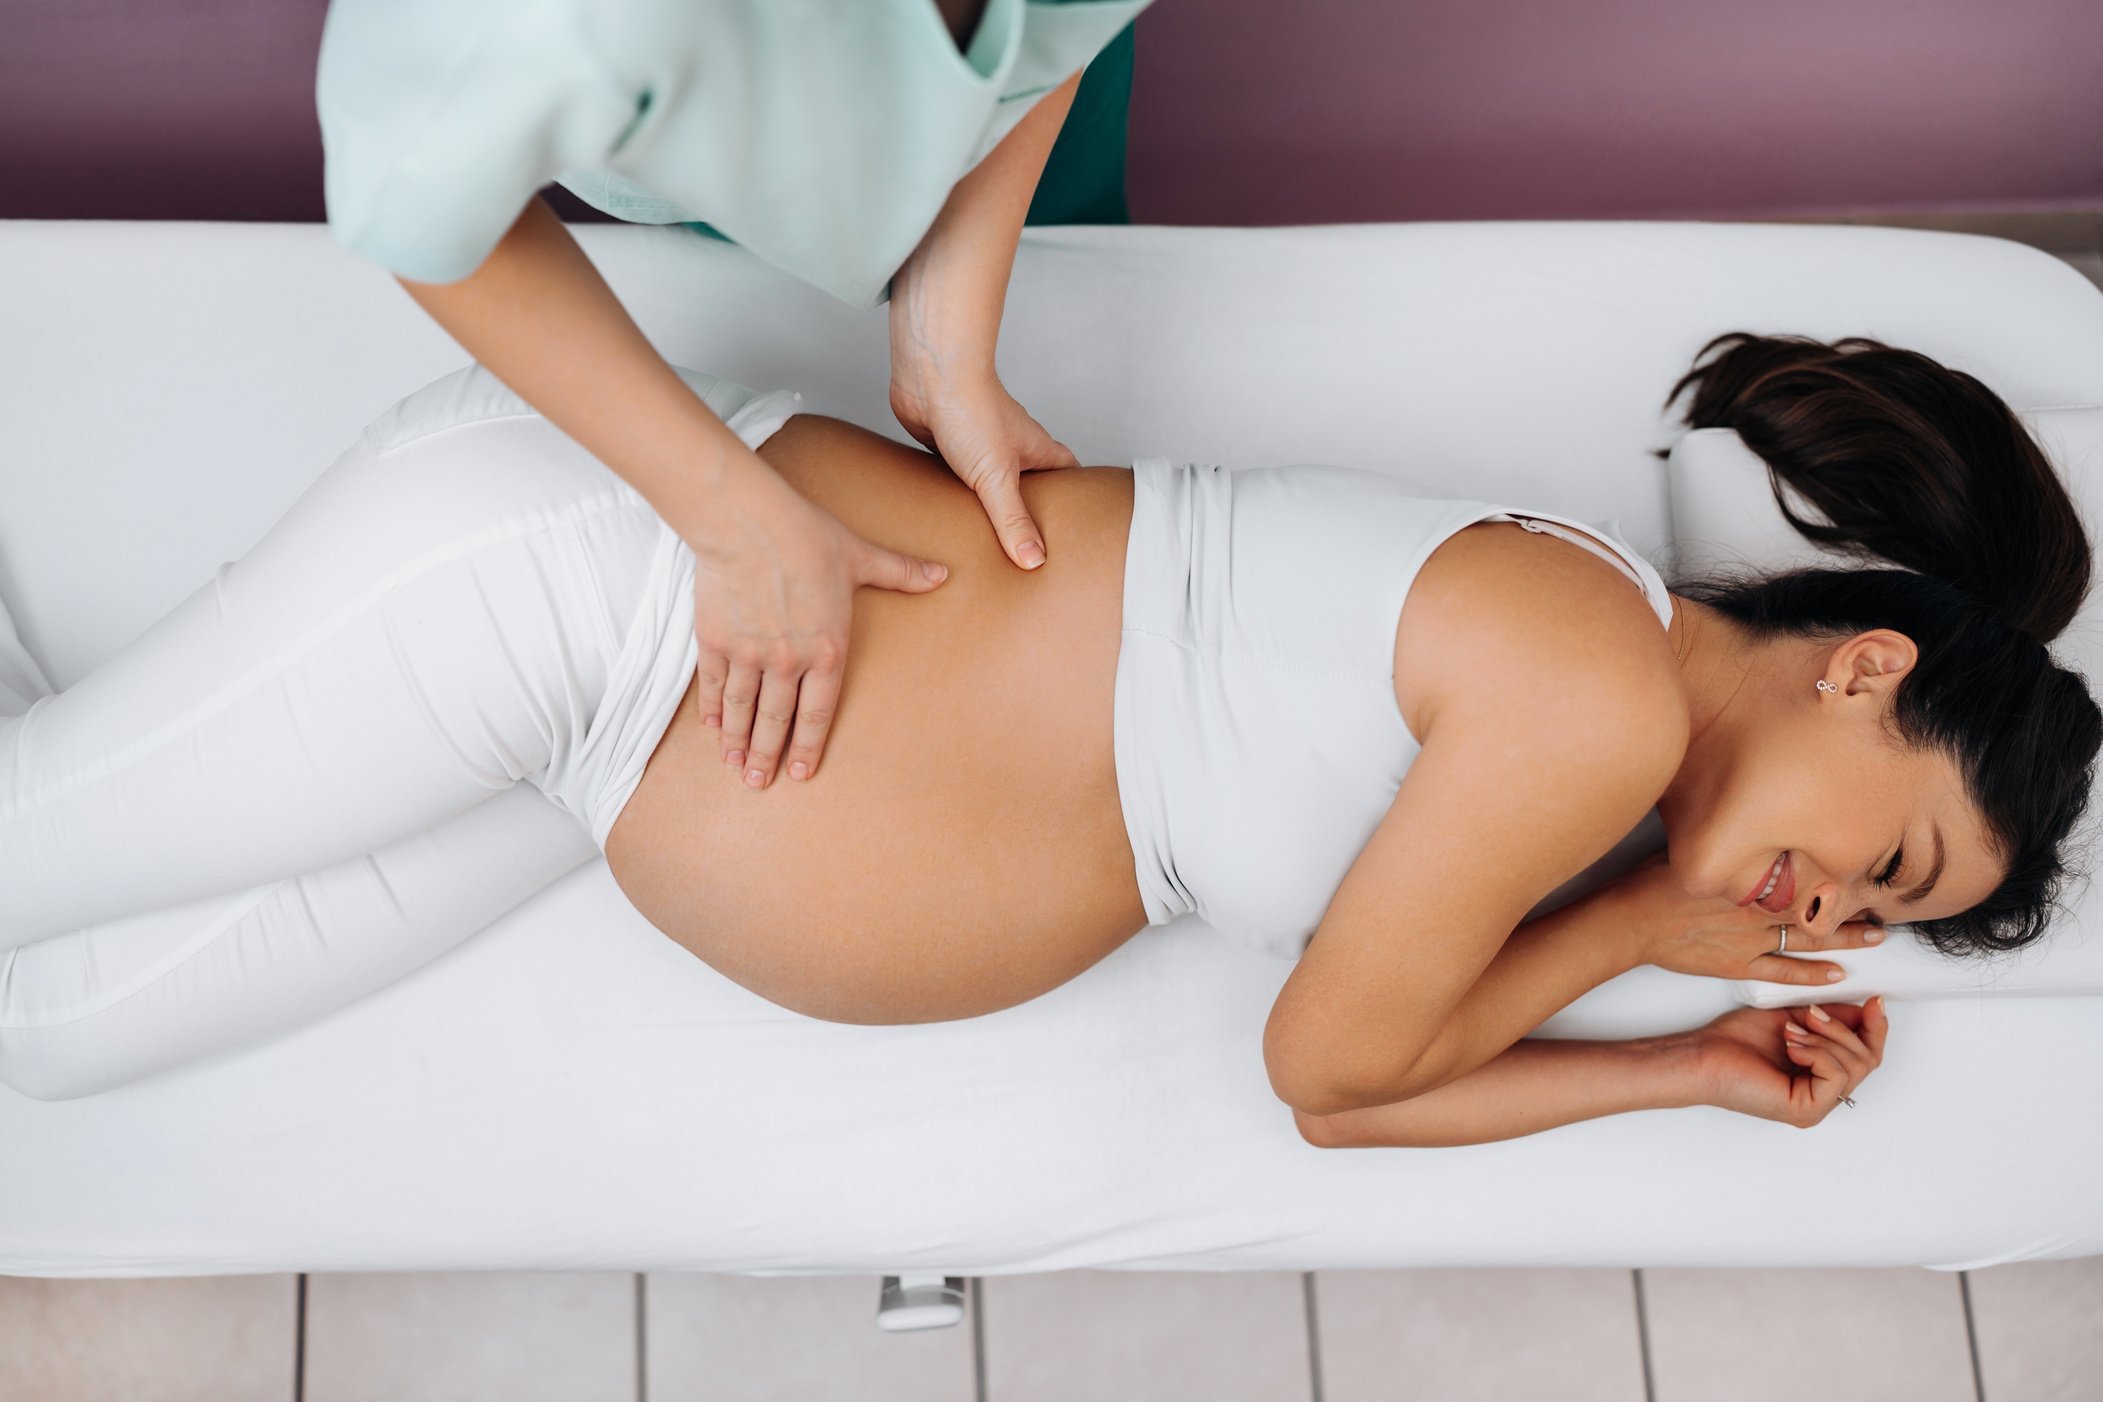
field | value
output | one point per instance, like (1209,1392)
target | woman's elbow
(1328,1075)
(1324,1091)
(1320,1130)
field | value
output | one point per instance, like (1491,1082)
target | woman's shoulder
(1519,629)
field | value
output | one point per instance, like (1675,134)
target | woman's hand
(988,440)
(773,595)
(1765,1062)
(1712,937)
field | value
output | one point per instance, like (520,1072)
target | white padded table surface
(571,1090)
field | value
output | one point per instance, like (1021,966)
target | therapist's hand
(773,596)
(946,301)
(985,437)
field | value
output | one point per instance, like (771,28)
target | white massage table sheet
(570,1090)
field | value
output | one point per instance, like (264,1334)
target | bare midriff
(960,848)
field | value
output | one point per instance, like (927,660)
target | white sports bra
(1258,741)
(1543,526)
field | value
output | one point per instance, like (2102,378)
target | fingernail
(712,720)
(1789,1027)
(754,778)
(1820,1013)
(1835,975)
(1032,554)
(1873,935)
(934,571)
(799,770)
(734,758)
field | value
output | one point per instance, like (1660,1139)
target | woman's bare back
(961,848)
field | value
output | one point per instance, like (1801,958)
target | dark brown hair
(1911,463)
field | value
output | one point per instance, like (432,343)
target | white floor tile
(441,1337)
(2040,1327)
(1492,1335)
(1754,1335)
(728,1338)
(1120,1336)
(199,1339)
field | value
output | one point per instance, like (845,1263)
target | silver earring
(1824,685)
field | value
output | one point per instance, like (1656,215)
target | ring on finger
(1848,1100)
(1784,949)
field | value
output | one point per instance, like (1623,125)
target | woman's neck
(1717,658)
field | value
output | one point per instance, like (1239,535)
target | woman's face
(1802,800)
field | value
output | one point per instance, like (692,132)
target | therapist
(869,147)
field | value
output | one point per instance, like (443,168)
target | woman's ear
(1870,664)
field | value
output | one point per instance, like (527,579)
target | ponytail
(1907,461)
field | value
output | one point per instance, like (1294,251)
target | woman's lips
(1784,888)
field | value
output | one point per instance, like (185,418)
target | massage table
(569,1090)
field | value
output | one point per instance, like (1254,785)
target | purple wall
(1252,112)
(1248,111)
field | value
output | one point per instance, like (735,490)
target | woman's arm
(1530,1086)
(1550,720)
(946,305)
(1791,1065)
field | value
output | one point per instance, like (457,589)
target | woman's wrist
(1619,923)
(1672,1068)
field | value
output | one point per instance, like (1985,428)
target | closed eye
(1886,877)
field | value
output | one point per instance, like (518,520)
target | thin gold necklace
(1679,615)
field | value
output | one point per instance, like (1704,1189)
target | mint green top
(823,135)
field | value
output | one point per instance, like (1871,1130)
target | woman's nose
(1822,911)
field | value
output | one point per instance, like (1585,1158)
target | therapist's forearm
(953,288)
(1532,1085)
(540,318)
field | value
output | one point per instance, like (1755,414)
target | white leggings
(304,781)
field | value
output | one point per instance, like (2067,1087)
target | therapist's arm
(775,574)
(539,316)
(946,305)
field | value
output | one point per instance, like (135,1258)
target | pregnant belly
(961,847)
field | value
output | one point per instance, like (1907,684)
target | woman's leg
(431,622)
(106,1005)
(449,494)
(101,1007)
(428,625)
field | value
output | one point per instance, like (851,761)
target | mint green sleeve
(441,118)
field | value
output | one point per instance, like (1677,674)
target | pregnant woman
(1350,724)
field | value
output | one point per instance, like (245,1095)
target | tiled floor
(2023,1333)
